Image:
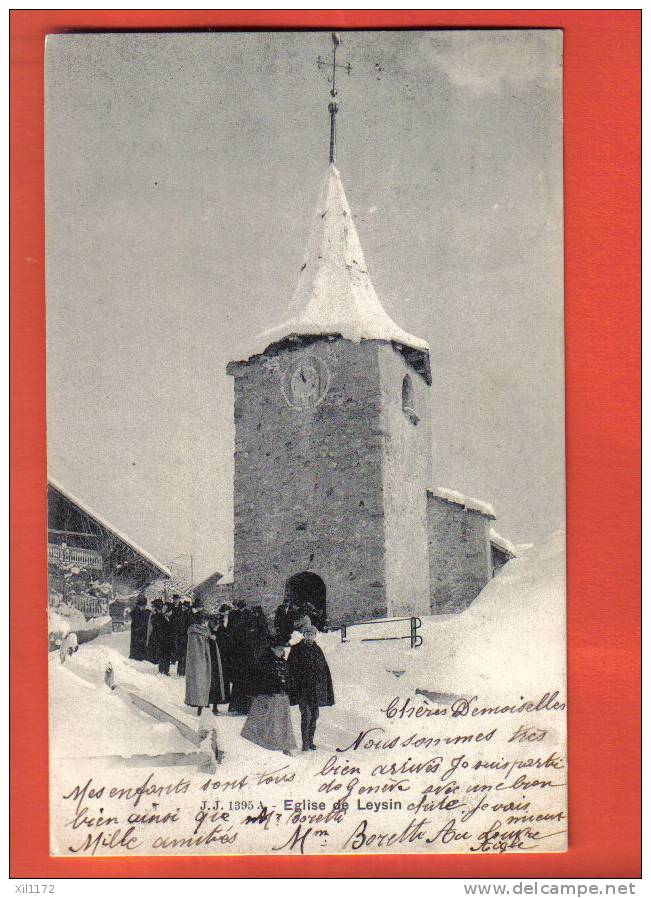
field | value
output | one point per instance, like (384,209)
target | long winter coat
(198,666)
(309,675)
(241,661)
(139,625)
(220,691)
(259,637)
(161,639)
(284,620)
(224,645)
(181,620)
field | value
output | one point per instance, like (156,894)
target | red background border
(602,290)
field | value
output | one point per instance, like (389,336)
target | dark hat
(198,602)
(224,608)
(278,641)
(157,603)
(175,595)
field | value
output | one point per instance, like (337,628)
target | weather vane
(332,105)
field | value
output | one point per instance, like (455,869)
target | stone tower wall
(308,484)
(460,559)
(406,474)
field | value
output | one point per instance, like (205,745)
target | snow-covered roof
(104,523)
(505,544)
(457,498)
(216,578)
(334,294)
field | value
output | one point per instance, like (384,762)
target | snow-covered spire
(334,294)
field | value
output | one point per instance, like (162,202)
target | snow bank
(457,498)
(90,721)
(72,615)
(512,636)
(57,625)
(73,621)
(98,622)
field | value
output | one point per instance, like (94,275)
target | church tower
(332,441)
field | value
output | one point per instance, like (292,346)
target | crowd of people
(234,658)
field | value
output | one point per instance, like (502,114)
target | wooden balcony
(73,555)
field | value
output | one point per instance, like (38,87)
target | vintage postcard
(306,487)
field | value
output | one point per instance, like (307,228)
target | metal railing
(415,623)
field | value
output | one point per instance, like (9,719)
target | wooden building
(91,564)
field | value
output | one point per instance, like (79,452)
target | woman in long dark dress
(268,723)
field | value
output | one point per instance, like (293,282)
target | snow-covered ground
(511,640)
(66,619)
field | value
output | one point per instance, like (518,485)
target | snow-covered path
(505,651)
(87,720)
(510,639)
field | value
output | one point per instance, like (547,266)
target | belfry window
(408,401)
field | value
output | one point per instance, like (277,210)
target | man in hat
(240,657)
(161,641)
(310,683)
(139,626)
(183,617)
(284,618)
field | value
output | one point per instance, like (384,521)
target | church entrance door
(307,592)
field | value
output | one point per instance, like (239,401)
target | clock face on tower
(305,382)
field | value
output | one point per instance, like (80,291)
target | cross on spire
(333,106)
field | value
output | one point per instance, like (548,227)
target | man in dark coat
(284,618)
(171,606)
(220,692)
(316,617)
(153,649)
(310,684)
(161,641)
(139,623)
(223,638)
(182,620)
(241,626)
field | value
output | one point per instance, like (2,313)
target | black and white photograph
(305,426)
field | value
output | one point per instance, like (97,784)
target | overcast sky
(182,171)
